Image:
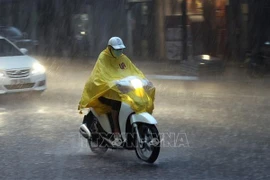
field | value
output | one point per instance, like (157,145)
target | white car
(18,71)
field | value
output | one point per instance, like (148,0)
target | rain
(206,62)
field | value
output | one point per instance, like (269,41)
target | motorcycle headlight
(136,83)
(125,86)
(38,69)
(2,74)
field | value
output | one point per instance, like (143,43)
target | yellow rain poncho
(102,83)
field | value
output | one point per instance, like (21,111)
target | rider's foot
(117,140)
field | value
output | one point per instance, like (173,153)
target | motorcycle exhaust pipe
(85,131)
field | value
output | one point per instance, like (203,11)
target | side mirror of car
(24,51)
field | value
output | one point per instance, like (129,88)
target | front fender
(143,118)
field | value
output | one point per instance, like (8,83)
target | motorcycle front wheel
(149,147)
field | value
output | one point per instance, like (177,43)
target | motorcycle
(138,130)
(258,64)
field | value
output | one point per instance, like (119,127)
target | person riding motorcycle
(111,65)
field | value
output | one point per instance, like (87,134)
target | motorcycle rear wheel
(255,71)
(149,148)
(98,148)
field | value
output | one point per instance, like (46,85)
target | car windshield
(13,32)
(7,49)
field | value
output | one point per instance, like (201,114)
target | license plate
(20,81)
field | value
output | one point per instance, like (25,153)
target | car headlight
(2,74)
(38,69)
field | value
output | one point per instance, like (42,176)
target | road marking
(167,77)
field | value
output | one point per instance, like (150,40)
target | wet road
(210,130)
